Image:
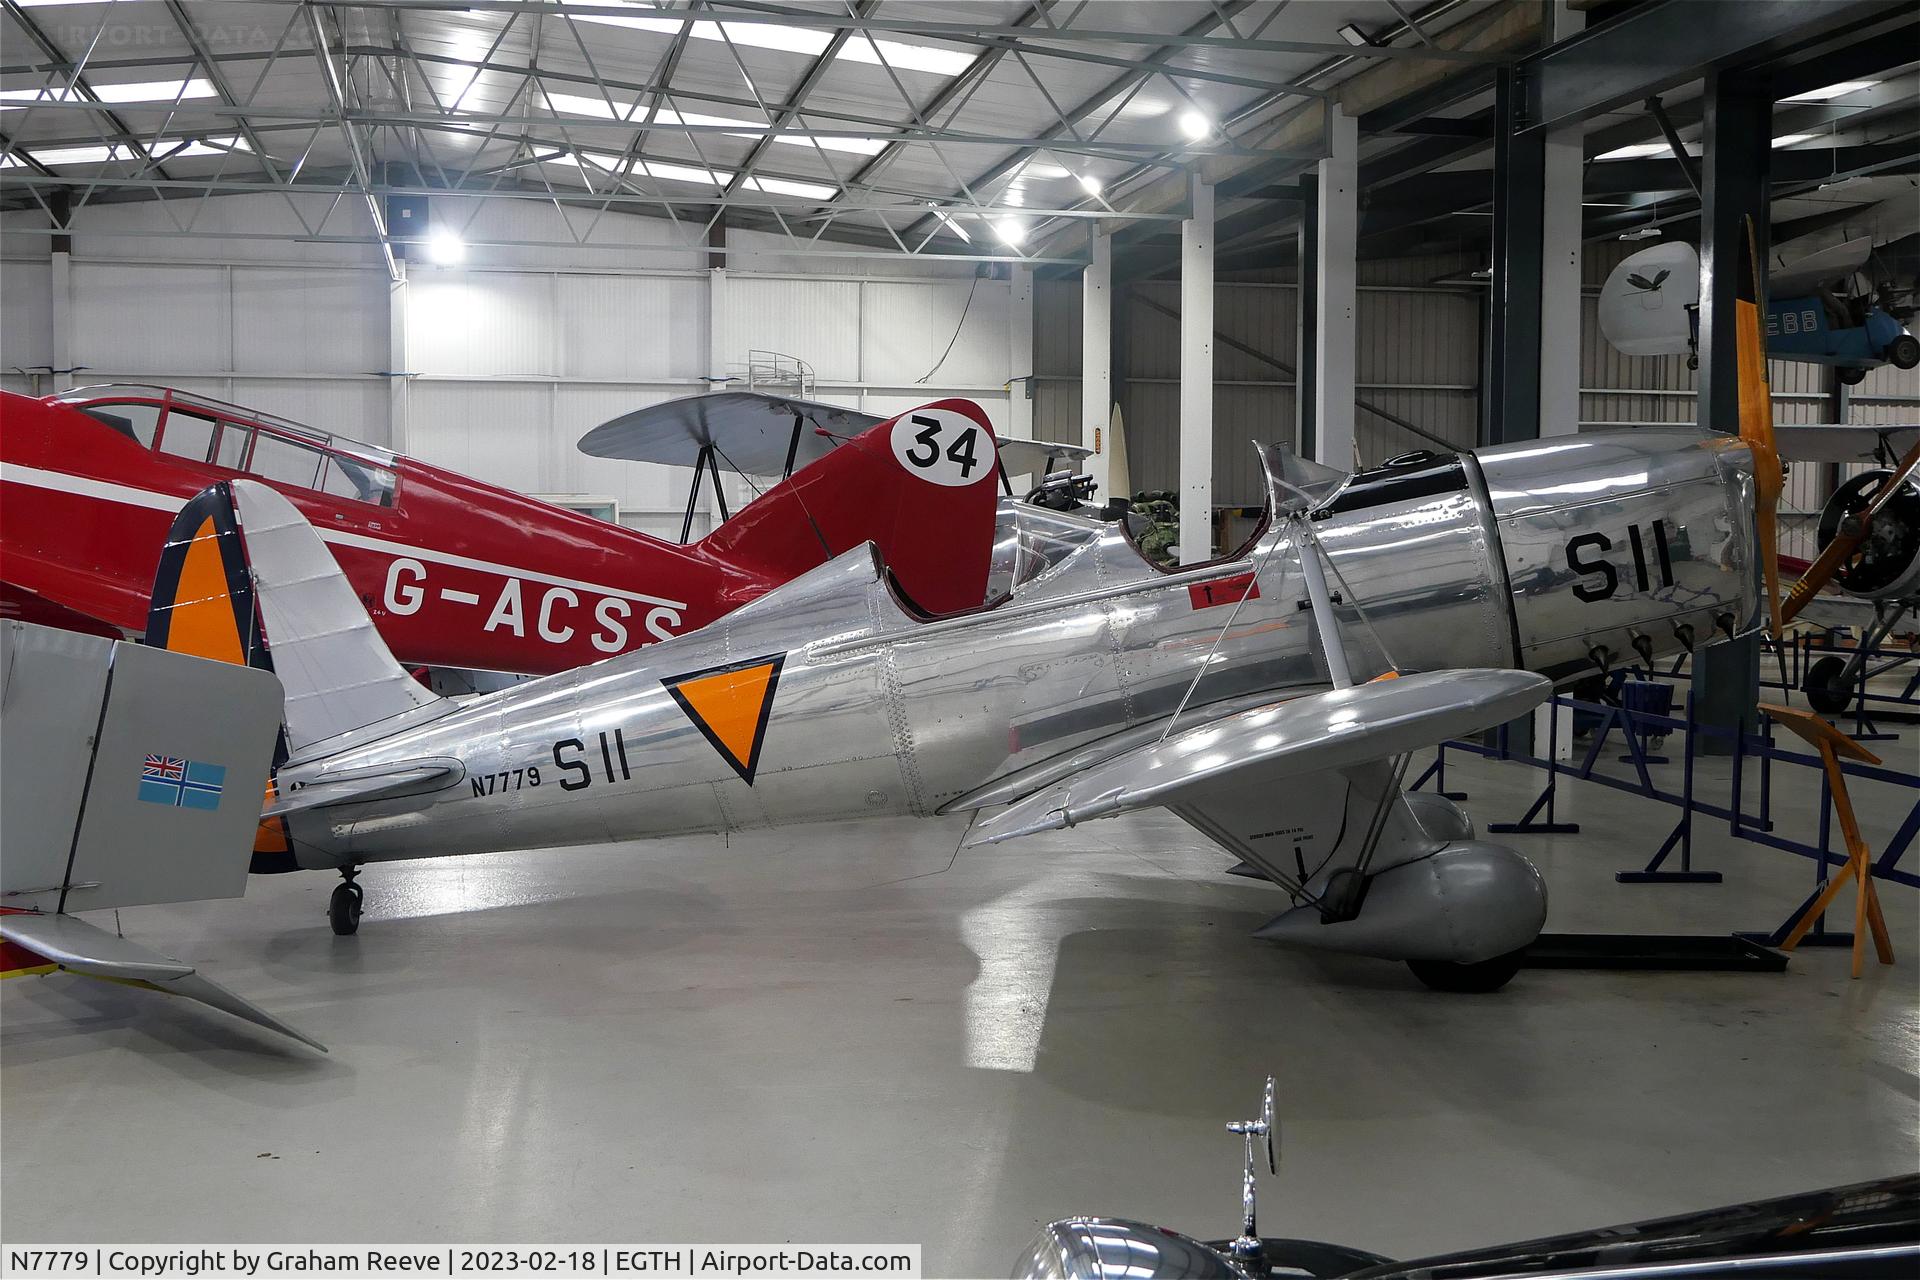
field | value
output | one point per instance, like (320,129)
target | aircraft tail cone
(1466,903)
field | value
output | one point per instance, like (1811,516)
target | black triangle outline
(752,766)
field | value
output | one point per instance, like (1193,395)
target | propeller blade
(1756,418)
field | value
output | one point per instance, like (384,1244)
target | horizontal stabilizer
(82,948)
(1252,749)
(357,786)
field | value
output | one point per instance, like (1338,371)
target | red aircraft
(457,573)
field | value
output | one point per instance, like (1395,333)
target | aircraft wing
(69,943)
(1842,444)
(1037,457)
(1249,751)
(753,430)
(1816,269)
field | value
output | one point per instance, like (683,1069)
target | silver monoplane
(1269,698)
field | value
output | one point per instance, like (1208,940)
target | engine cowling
(1888,565)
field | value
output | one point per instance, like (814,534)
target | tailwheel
(1826,686)
(1480,977)
(344,907)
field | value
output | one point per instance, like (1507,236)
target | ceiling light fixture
(1090,184)
(1790,139)
(1195,125)
(1640,233)
(1010,230)
(446,248)
(1354,36)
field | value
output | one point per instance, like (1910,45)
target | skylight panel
(1642,150)
(807,41)
(711,178)
(159,91)
(1832,91)
(154,90)
(210,147)
(576,104)
(787,187)
(902,56)
(81,155)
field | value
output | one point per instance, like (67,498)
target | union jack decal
(166,768)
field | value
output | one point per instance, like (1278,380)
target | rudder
(921,486)
(244,578)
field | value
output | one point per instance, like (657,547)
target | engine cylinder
(1888,564)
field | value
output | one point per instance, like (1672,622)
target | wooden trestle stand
(1832,744)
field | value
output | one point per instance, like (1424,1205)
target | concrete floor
(830,1035)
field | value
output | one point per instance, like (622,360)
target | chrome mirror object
(1247,1249)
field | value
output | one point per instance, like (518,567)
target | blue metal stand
(1681,835)
(1527,825)
(1438,772)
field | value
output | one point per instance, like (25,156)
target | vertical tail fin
(203,604)
(245,578)
(922,487)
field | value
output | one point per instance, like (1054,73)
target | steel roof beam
(293,237)
(981,33)
(329,184)
(353,114)
(1671,42)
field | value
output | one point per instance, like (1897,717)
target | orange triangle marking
(203,623)
(730,705)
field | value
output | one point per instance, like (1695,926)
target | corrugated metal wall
(1418,359)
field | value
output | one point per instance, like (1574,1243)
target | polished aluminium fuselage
(1544,556)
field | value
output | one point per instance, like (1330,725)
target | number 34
(943,446)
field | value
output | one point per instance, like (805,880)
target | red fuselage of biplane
(455,572)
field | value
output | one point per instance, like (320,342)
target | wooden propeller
(1756,419)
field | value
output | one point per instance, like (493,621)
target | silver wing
(1309,793)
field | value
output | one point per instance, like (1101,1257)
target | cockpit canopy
(202,430)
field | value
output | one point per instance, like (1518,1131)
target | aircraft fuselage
(829,699)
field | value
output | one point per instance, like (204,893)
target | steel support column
(60,295)
(1510,402)
(399,366)
(1562,177)
(1020,355)
(1336,290)
(1196,375)
(1096,355)
(1306,316)
(1738,146)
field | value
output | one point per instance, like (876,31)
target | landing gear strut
(343,908)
